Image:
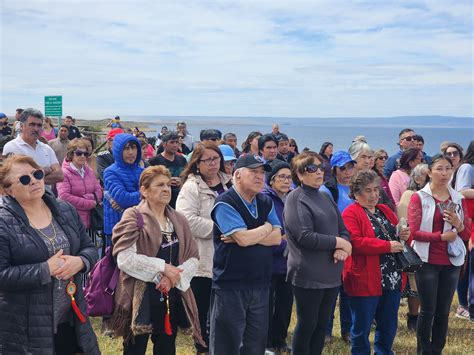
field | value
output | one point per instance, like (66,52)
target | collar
(81,171)
(22,142)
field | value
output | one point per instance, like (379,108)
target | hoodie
(121,181)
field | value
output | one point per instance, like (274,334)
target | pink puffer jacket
(79,191)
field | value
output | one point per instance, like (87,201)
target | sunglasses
(26,179)
(383,157)
(452,154)
(292,145)
(312,168)
(80,153)
(409,139)
(346,167)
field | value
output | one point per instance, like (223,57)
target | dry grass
(460,338)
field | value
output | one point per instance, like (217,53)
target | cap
(113,132)
(2,115)
(341,158)
(275,165)
(227,152)
(252,162)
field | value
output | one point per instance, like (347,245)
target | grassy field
(460,338)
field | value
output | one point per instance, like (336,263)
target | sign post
(53,107)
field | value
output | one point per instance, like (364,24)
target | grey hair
(357,147)
(30,112)
(417,172)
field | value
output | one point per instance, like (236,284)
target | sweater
(81,192)
(195,202)
(398,183)
(26,300)
(279,260)
(312,223)
(121,181)
(362,275)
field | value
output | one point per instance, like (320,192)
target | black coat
(26,304)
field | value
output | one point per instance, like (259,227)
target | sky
(239,58)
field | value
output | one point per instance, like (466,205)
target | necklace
(51,240)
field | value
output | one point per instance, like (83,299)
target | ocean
(312,132)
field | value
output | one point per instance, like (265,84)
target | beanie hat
(276,166)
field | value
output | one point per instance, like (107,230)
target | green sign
(53,106)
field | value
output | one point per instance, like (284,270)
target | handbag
(97,216)
(408,260)
(101,284)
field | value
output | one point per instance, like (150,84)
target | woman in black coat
(44,250)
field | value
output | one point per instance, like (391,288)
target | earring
(197,171)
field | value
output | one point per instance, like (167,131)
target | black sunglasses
(79,153)
(312,168)
(26,179)
(382,157)
(409,139)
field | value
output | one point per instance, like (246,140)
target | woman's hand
(339,255)
(404,233)
(72,265)
(55,262)
(449,236)
(452,218)
(164,285)
(173,274)
(395,247)
(344,245)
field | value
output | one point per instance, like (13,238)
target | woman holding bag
(157,263)
(438,218)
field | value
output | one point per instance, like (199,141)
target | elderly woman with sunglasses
(44,250)
(380,158)
(204,179)
(318,244)
(80,186)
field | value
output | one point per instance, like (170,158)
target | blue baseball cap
(341,158)
(2,115)
(227,152)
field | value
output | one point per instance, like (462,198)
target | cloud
(281,58)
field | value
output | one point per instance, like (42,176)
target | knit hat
(276,166)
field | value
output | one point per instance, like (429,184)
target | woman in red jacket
(372,279)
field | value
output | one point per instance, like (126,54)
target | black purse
(97,216)
(408,260)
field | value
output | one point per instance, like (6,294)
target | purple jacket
(279,261)
(79,191)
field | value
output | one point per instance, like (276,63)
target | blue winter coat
(121,181)
(279,261)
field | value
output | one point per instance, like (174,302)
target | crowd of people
(228,241)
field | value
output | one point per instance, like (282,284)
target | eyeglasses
(383,157)
(230,162)
(282,177)
(348,167)
(210,161)
(292,145)
(80,153)
(409,139)
(212,139)
(180,137)
(312,168)
(452,154)
(26,179)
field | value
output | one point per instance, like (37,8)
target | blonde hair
(150,173)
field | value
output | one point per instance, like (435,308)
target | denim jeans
(436,285)
(239,321)
(344,313)
(384,309)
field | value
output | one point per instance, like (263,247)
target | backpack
(101,284)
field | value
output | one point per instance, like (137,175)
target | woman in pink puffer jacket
(80,186)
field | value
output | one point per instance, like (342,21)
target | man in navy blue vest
(246,226)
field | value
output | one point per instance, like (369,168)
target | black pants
(239,320)
(313,310)
(162,344)
(279,315)
(201,287)
(65,340)
(436,285)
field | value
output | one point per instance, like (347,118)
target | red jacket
(362,275)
